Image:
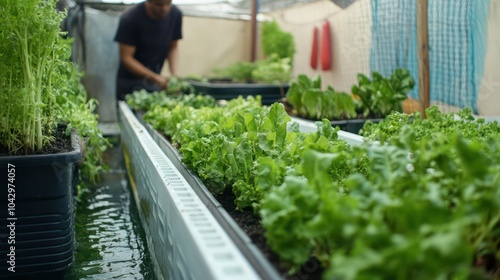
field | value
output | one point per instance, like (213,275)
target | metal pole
(253,44)
(423,55)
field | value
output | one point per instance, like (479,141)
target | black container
(225,91)
(37,212)
(354,125)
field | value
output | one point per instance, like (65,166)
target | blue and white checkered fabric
(457,45)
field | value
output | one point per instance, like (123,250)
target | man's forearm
(140,70)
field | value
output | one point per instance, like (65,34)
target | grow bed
(243,226)
(350,125)
(225,90)
(420,204)
(184,237)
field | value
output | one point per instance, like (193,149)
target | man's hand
(134,66)
(161,81)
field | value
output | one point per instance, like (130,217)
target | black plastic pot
(225,91)
(37,211)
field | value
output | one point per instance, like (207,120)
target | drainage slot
(207,231)
(233,270)
(223,256)
(197,216)
(192,210)
(190,205)
(203,224)
(213,238)
(216,244)
(184,194)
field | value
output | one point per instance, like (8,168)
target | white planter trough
(184,237)
(251,256)
(310,126)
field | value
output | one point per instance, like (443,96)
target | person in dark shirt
(148,33)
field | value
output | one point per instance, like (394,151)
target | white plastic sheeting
(97,55)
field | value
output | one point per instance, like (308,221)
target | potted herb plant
(42,104)
(371,100)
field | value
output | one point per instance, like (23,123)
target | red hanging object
(326,52)
(314,49)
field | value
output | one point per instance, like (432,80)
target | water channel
(111,243)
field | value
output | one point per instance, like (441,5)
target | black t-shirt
(150,37)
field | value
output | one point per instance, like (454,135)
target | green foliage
(310,101)
(40,87)
(242,145)
(424,206)
(271,70)
(76,110)
(238,72)
(276,41)
(436,122)
(380,96)
(31,52)
(279,49)
(145,101)
(179,86)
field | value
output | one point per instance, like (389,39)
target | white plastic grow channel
(185,239)
(263,267)
(252,253)
(310,126)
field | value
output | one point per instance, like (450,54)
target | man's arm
(173,57)
(134,66)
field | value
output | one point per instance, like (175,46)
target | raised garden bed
(350,125)
(184,236)
(244,226)
(336,190)
(224,90)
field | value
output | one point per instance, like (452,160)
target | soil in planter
(250,223)
(60,144)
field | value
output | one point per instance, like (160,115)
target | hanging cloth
(314,49)
(326,51)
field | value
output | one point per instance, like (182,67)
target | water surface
(111,242)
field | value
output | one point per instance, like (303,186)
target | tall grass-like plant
(40,87)
(31,53)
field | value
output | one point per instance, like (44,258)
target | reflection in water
(111,243)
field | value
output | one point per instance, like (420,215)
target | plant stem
(27,132)
(38,103)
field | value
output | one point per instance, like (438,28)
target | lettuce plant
(310,101)
(381,96)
